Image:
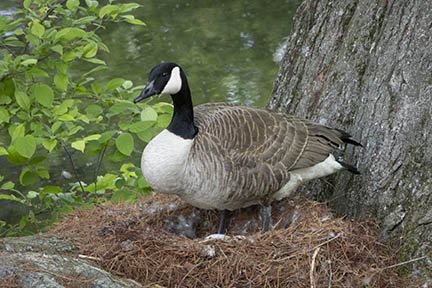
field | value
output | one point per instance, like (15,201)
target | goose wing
(244,155)
(247,135)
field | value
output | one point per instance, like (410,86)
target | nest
(161,242)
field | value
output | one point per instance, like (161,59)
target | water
(225,47)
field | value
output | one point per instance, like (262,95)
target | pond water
(225,47)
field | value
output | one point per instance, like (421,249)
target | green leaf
(17,131)
(70,33)
(14,157)
(122,106)
(35,72)
(43,94)
(95,61)
(71,55)
(25,146)
(105,182)
(23,100)
(52,189)
(90,50)
(8,185)
(114,83)
(72,4)
(32,194)
(4,115)
(148,114)
(10,197)
(63,107)
(85,119)
(66,118)
(7,90)
(128,7)
(3,151)
(117,156)
(37,159)
(84,20)
(79,145)
(61,81)
(43,173)
(108,10)
(106,136)
(164,120)
(58,49)
(163,107)
(140,126)
(27,177)
(28,62)
(38,128)
(94,110)
(49,144)
(146,135)
(142,183)
(132,20)
(37,29)
(92,137)
(56,126)
(61,67)
(92,3)
(127,84)
(26,4)
(125,143)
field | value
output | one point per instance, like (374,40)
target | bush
(46,109)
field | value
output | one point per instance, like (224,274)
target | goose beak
(148,91)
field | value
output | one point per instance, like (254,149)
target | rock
(36,261)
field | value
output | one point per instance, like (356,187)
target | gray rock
(47,262)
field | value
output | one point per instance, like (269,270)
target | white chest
(163,161)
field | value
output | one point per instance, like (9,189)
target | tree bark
(366,67)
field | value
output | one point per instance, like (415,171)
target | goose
(225,157)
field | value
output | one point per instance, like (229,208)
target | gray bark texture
(366,67)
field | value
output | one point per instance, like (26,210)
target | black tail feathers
(349,167)
(347,138)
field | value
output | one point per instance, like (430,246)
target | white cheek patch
(174,84)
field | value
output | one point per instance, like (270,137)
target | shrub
(47,111)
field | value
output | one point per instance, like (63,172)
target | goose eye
(165,74)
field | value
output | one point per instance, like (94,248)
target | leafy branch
(46,109)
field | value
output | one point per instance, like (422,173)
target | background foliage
(49,112)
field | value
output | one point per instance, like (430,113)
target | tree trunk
(366,67)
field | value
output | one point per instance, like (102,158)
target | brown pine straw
(308,247)
(9,282)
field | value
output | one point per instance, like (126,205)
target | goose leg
(223,219)
(266,218)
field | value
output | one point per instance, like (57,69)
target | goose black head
(165,78)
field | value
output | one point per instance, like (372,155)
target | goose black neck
(182,122)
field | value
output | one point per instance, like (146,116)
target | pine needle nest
(161,242)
